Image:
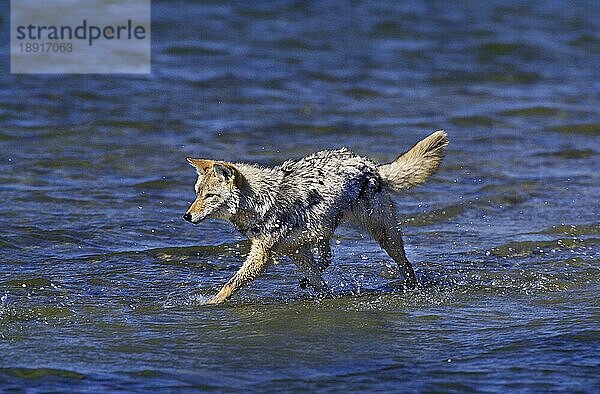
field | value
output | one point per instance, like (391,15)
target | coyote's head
(216,190)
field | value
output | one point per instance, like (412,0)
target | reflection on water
(103,284)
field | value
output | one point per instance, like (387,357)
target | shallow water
(103,283)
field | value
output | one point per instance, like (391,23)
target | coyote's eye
(210,195)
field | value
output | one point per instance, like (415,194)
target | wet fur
(295,207)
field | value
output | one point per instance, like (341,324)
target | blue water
(103,284)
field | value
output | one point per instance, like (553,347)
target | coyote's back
(340,178)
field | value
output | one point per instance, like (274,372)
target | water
(103,284)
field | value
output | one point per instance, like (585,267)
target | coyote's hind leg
(383,224)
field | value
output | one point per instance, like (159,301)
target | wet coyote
(294,208)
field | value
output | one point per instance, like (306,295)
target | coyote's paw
(215,300)
(303,283)
(409,285)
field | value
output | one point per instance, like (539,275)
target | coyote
(294,208)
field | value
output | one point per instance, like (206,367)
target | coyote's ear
(200,165)
(224,171)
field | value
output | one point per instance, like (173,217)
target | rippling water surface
(103,284)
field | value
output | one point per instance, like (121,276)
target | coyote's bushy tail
(417,164)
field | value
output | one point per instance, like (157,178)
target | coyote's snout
(294,208)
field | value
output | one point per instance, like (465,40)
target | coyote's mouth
(194,218)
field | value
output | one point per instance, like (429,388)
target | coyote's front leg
(259,258)
(324,260)
(303,258)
